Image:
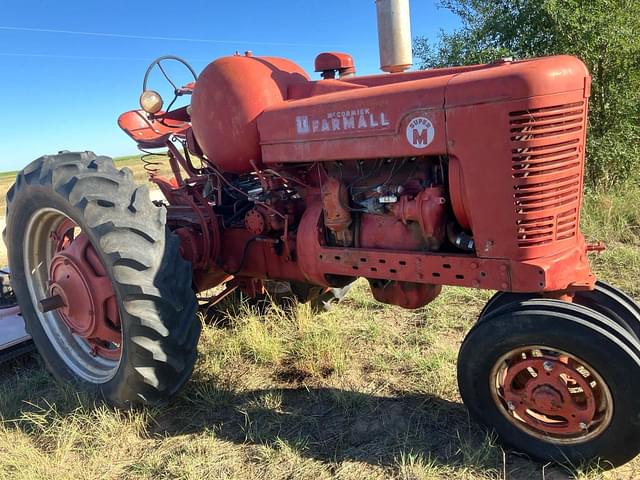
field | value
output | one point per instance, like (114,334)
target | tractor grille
(547,166)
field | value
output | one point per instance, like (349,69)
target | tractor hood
(400,114)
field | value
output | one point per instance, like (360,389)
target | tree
(605,34)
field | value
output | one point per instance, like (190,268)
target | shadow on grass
(327,424)
(334,425)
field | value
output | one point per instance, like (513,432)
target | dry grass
(366,391)
(133,162)
(6,180)
(136,165)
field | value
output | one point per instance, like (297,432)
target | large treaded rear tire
(152,282)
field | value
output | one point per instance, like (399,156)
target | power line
(81,57)
(147,37)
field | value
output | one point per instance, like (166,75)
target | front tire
(556,381)
(135,342)
(605,299)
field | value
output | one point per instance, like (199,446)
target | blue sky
(65,90)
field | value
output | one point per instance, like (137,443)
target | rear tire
(152,283)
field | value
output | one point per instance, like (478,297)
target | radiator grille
(547,159)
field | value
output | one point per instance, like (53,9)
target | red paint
(384,231)
(229,96)
(548,395)
(153,131)
(337,217)
(493,151)
(331,62)
(427,209)
(404,294)
(89,309)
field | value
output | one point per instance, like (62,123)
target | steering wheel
(177,91)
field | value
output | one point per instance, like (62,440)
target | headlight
(151,101)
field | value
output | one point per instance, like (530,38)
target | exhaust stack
(394,35)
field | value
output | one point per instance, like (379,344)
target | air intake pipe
(394,35)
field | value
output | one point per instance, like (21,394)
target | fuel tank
(230,94)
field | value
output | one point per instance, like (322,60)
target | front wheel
(99,280)
(555,381)
(605,299)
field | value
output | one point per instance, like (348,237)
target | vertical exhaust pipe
(394,35)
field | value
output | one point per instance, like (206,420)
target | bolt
(548,366)
(488,245)
(51,303)
(511,406)
(583,426)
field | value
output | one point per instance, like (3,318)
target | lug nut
(548,366)
(583,426)
(511,406)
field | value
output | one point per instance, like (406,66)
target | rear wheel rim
(60,259)
(551,394)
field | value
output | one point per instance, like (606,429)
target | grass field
(6,180)
(133,162)
(366,391)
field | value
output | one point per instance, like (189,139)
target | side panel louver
(547,160)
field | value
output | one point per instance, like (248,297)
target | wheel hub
(551,394)
(547,399)
(89,309)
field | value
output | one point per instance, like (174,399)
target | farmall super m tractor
(469,176)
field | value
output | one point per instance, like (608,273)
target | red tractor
(468,176)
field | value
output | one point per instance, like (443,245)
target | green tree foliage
(605,34)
